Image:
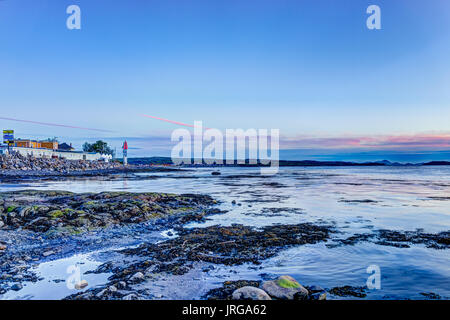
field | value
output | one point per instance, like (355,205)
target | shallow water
(355,199)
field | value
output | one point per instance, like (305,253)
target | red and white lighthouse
(125,153)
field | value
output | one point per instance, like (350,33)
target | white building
(47,153)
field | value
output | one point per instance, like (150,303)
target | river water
(354,199)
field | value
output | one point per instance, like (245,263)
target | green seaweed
(55,214)
(285,283)
(11,209)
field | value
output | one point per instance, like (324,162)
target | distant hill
(293,163)
(437,163)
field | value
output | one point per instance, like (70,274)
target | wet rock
(431,295)
(121,285)
(112,288)
(101,294)
(348,291)
(358,201)
(48,253)
(286,288)
(322,295)
(250,293)
(81,285)
(132,296)
(16,287)
(103,268)
(314,289)
(228,287)
(137,277)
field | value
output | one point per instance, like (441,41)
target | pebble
(81,285)
(131,296)
(112,289)
(319,296)
(138,276)
(48,253)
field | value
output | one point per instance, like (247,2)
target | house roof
(64,146)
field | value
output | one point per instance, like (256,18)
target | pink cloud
(381,142)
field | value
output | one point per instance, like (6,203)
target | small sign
(8,137)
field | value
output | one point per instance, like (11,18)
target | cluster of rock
(231,245)
(120,290)
(67,212)
(29,163)
(283,288)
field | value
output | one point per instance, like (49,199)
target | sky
(311,68)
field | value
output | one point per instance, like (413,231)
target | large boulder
(285,288)
(250,293)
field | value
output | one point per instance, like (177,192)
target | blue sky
(310,68)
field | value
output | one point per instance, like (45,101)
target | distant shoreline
(286,163)
(26,169)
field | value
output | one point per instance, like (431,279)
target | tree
(99,146)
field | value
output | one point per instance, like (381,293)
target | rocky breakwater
(62,212)
(29,163)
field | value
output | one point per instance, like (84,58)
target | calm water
(401,198)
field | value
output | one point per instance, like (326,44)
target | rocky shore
(41,226)
(59,212)
(22,163)
(17,168)
(230,246)
(35,225)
